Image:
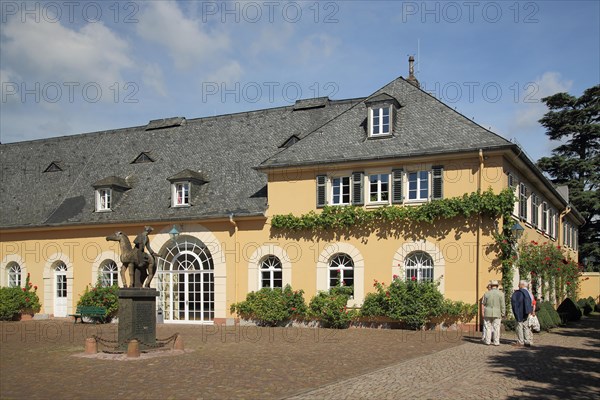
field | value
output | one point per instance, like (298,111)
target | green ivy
(333,217)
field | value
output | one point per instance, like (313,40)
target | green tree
(574,121)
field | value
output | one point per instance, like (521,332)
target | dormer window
(381,109)
(380,121)
(109,192)
(103,199)
(181,194)
(184,185)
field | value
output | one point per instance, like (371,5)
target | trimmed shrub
(330,308)
(592,303)
(414,304)
(551,312)
(510,324)
(101,296)
(10,302)
(584,306)
(271,307)
(570,310)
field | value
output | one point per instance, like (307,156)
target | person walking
(494,310)
(521,308)
(482,313)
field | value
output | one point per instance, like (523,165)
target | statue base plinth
(137,316)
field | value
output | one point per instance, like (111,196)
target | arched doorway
(60,289)
(186,285)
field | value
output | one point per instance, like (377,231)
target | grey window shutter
(397,186)
(438,182)
(357,188)
(321,191)
(511,180)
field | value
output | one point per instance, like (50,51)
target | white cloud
(228,73)
(152,76)
(188,45)
(532,109)
(317,46)
(49,52)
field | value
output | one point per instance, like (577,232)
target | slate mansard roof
(223,149)
(422,125)
(225,153)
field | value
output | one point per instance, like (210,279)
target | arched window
(14,274)
(270,272)
(109,273)
(341,270)
(418,266)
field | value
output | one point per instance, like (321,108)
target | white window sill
(181,205)
(380,135)
(104,211)
(415,202)
(377,204)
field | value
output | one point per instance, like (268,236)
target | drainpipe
(235,263)
(479,182)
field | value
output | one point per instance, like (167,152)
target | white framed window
(418,185)
(545,217)
(103,199)
(523,201)
(14,274)
(109,273)
(271,274)
(381,123)
(418,266)
(341,270)
(535,210)
(181,194)
(340,190)
(379,188)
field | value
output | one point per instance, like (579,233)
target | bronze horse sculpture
(130,257)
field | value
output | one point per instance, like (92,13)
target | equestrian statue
(135,258)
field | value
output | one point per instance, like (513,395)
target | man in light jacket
(494,310)
(521,307)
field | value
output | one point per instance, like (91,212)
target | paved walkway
(36,362)
(564,364)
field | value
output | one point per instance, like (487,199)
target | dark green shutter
(397,186)
(321,191)
(357,188)
(438,182)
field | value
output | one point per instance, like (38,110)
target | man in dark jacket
(521,307)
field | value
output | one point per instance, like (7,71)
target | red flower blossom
(414,278)
(30,284)
(387,294)
(558,269)
(28,274)
(35,287)
(27,299)
(395,277)
(24,289)
(293,308)
(547,258)
(568,283)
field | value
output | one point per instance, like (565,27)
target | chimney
(411,72)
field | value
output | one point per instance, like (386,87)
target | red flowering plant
(30,302)
(550,270)
(100,295)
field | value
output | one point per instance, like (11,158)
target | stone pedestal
(137,316)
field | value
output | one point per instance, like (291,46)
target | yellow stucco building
(219,181)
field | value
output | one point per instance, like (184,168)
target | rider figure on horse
(141,243)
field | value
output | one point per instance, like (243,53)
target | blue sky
(74,67)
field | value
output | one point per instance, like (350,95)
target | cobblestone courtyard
(37,361)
